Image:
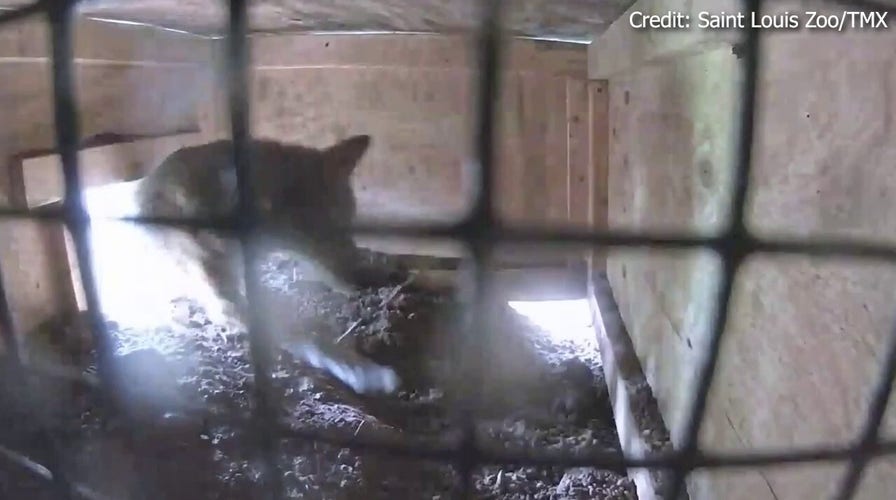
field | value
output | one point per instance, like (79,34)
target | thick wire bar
(732,252)
(59,15)
(475,330)
(870,433)
(260,346)
(478,232)
(822,246)
(76,219)
(488,49)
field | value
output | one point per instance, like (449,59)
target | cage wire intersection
(479,232)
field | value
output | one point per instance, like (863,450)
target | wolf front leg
(337,264)
(222,263)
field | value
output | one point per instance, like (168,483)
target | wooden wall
(414,95)
(806,335)
(129,80)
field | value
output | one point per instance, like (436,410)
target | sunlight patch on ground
(562,320)
(136,279)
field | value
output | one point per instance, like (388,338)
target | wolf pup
(302,196)
(305,205)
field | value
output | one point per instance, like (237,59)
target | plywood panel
(414,95)
(555,169)
(599,137)
(532,113)
(510,197)
(117,99)
(129,80)
(806,335)
(35,271)
(418,121)
(577,146)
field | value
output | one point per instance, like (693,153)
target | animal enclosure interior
(584,351)
(145,93)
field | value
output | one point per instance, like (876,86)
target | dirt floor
(188,396)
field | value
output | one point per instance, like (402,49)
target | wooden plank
(554,169)
(413,51)
(36,275)
(94,141)
(14,185)
(100,165)
(420,119)
(630,394)
(413,93)
(577,145)
(130,80)
(509,196)
(119,99)
(45,279)
(819,173)
(622,47)
(35,271)
(550,58)
(598,161)
(105,41)
(531,113)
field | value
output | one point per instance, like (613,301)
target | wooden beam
(577,144)
(598,160)
(46,280)
(639,424)
(100,165)
(291,51)
(99,140)
(555,171)
(36,274)
(15,183)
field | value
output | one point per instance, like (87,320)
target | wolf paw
(362,376)
(374,378)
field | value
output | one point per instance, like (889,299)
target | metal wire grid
(480,231)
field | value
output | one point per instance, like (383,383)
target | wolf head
(306,189)
(303,196)
(305,200)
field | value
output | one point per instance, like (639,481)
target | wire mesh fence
(480,231)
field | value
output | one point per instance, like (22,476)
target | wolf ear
(346,154)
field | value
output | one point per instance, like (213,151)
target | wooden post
(598,155)
(38,279)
